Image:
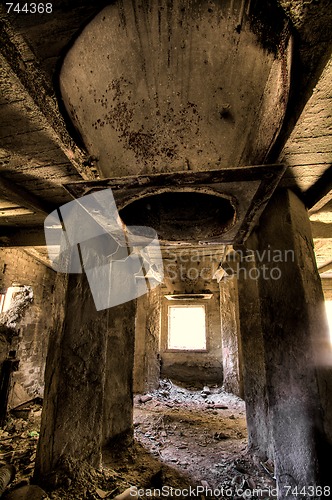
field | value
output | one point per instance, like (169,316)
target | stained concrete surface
(181,86)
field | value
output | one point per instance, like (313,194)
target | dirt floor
(189,443)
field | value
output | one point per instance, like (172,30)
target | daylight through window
(328,306)
(186,327)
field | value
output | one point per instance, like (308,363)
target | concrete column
(253,358)
(118,394)
(71,426)
(147,333)
(296,343)
(88,379)
(231,345)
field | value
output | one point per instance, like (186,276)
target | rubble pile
(201,432)
(185,438)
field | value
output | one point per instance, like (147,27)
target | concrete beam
(17,194)
(318,195)
(24,66)
(32,252)
(321,230)
(326,267)
(321,203)
(23,237)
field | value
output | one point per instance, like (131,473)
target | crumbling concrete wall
(31,329)
(294,349)
(189,272)
(147,332)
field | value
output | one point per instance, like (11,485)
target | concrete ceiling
(183,86)
(41,149)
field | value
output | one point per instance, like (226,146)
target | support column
(118,394)
(147,333)
(231,345)
(253,357)
(71,426)
(296,342)
(88,380)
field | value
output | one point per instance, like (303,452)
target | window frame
(186,304)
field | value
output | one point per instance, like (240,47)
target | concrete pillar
(118,394)
(297,349)
(88,380)
(147,333)
(71,426)
(231,345)
(253,358)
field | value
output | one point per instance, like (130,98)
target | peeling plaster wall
(192,273)
(32,329)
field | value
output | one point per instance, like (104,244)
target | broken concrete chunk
(218,436)
(217,406)
(238,481)
(206,390)
(145,398)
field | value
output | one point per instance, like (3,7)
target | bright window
(2,301)
(7,298)
(328,306)
(186,327)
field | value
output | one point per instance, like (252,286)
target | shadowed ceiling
(191,85)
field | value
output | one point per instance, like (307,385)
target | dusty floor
(191,440)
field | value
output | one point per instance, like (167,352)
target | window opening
(328,307)
(2,301)
(7,297)
(186,327)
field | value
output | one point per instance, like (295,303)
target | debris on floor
(189,443)
(18,440)
(201,432)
